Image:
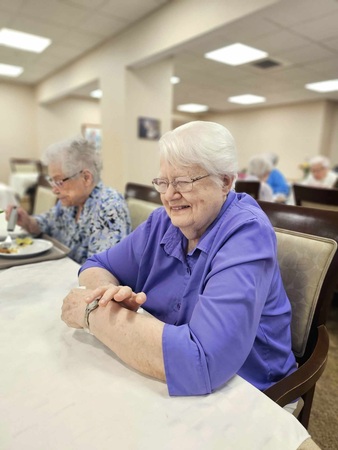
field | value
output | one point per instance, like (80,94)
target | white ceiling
(302,35)
(75,27)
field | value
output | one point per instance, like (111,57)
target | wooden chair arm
(299,382)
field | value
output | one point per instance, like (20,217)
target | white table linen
(61,389)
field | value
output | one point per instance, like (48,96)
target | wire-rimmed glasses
(59,183)
(180,184)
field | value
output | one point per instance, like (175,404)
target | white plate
(39,246)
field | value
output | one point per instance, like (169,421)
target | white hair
(322,160)
(75,155)
(259,166)
(206,144)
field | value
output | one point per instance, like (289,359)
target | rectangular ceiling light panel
(323,86)
(23,41)
(10,71)
(192,107)
(236,54)
(247,99)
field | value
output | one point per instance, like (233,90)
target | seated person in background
(277,181)
(205,269)
(259,168)
(88,216)
(320,174)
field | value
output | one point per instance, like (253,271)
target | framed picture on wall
(148,128)
(92,133)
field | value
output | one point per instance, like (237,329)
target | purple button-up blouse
(224,305)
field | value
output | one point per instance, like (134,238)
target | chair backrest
(251,187)
(304,260)
(43,197)
(142,192)
(308,258)
(141,200)
(25,165)
(316,197)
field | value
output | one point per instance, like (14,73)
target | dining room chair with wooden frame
(315,197)
(25,165)
(308,258)
(43,197)
(251,187)
(141,200)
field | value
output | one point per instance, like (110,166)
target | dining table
(62,389)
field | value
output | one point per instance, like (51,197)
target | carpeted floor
(323,425)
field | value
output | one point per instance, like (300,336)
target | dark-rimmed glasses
(59,183)
(180,184)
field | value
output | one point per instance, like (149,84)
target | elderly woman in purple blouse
(205,269)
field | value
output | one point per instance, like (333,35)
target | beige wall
(295,132)
(149,94)
(145,43)
(27,129)
(18,132)
(63,119)
(133,70)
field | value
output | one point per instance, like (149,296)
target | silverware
(7,243)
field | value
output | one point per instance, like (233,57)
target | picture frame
(149,128)
(92,132)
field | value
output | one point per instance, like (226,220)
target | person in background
(277,181)
(320,174)
(259,168)
(204,268)
(88,216)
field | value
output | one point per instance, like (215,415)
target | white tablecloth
(61,389)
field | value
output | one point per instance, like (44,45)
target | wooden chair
(142,192)
(315,197)
(25,165)
(308,258)
(249,186)
(141,200)
(41,195)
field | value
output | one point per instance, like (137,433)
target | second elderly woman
(88,216)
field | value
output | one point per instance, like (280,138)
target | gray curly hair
(75,155)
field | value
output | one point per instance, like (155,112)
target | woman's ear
(227,183)
(87,176)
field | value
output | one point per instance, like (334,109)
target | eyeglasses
(180,184)
(59,183)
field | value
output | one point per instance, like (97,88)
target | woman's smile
(179,208)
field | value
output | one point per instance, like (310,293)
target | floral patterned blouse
(103,222)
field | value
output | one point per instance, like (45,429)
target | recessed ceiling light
(23,41)
(323,86)
(10,71)
(247,99)
(174,80)
(192,107)
(97,93)
(236,54)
